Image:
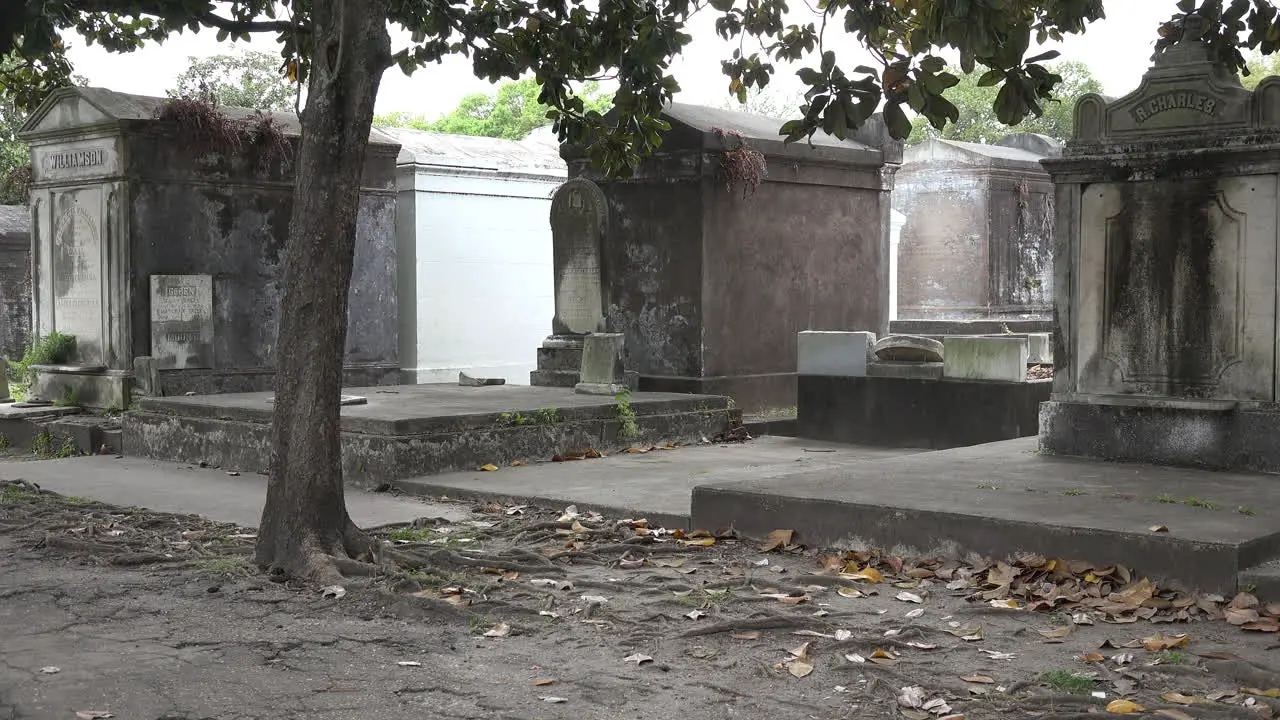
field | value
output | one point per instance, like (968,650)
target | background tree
(977,121)
(511,113)
(248,79)
(341,50)
(770,102)
(15,156)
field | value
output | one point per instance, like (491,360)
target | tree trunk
(305,531)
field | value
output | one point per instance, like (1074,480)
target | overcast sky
(1117,50)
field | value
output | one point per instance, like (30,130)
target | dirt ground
(545,613)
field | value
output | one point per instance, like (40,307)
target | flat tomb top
(1010,483)
(435,407)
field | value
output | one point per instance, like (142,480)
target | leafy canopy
(249,79)
(978,123)
(634,41)
(511,113)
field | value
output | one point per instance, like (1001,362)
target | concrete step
(554,378)
(778,426)
(560,358)
(410,430)
(1003,498)
(1263,581)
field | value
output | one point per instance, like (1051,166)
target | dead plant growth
(211,131)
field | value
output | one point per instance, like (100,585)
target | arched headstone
(579,219)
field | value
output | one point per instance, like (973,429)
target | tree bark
(305,531)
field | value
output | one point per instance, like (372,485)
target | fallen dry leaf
(855,658)
(638,659)
(1057,634)
(553,700)
(1241,616)
(1267,625)
(914,613)
(1124,707)
(883,657)
(922,646)
(1158,643)
(92,714)
(517,463)
(799,668)
(750,635)
(1243,600)
(695,614)
(489,467)
(850,592)
(1005,604)
(967,632)
(543,682)
(981,679)
(409,663)
(870,575)
(500,630)
(1093,658)
(802,651)
(1180,699)
(699,542)
(1158,529)
(905,596)
(777,540)
(51,670)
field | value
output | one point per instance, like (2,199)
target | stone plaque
(182,320)
(1179,299)
(75,161)
(579,219)
(76,273)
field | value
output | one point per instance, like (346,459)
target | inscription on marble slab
(579,219)
(76,273)
(182,320)
(73,161)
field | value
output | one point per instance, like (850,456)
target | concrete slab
(410,430)
(1002,498)
(170,487)
(657,485)
(430,407)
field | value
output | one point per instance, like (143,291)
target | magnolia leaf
(488,467)
(799,668)
(981,679)
(1124,707)
(543,682)
(638,659)
(777,540)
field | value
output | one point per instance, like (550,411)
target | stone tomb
(15,281)
(1166,222)
(148,247)
(710,284)
(978,237)
(915,392)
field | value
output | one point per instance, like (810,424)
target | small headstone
(986,358)
(146,375)
(907,348)
(466,380)
(833,353)
(579,219)
(182,320)
(602,368)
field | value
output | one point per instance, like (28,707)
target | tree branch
(244,26)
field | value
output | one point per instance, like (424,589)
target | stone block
(916,370)
(907,348)
(602,359)
(834,353)
(96,388)
(1040,348)
(986,358)
(146,376)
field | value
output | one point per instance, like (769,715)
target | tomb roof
(532,155)
(75,107)
(935,149)
(749,125)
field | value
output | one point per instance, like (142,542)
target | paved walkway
(169,487)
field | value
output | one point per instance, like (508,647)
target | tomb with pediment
(1166,280)
(157,253)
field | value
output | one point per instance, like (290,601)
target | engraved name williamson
(75,159)
(1175,100)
